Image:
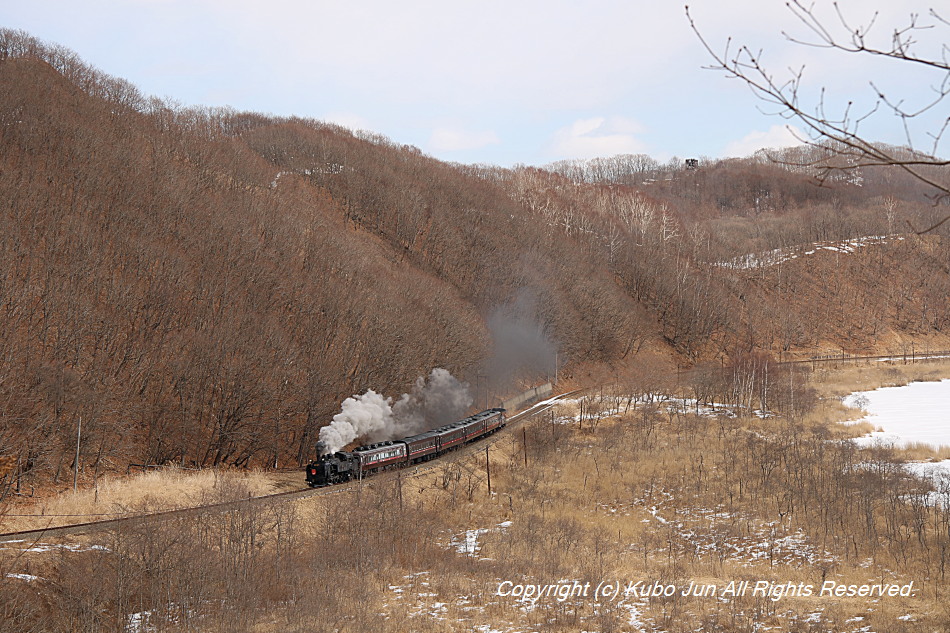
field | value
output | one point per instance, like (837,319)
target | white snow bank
(917,412)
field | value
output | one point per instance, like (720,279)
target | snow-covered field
(917,412)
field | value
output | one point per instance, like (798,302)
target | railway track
(514,421)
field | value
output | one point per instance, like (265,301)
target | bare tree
(836,139)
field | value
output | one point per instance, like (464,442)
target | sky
(500,82)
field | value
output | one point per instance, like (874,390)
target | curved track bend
(130,521)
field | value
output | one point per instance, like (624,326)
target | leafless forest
(204,287)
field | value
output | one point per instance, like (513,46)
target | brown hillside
(206,286)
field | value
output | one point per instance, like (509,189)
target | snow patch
(781,255)
(26,577)
(467,543)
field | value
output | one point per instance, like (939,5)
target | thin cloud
(775,137)
(598,136)
(349,120)
(446,139)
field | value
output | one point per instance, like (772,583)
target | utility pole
(524,439)
(76,469)
(400,487)
(488,470)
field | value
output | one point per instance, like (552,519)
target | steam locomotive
(341,466)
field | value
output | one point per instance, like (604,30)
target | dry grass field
(764,519)
(150,491)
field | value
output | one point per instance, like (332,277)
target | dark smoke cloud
(522,347)
(435,401)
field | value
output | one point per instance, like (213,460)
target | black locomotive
(365,460)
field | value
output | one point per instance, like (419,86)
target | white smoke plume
(435,401)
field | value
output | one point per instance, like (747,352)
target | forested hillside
(205,286)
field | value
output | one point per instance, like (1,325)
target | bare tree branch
(840,136)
